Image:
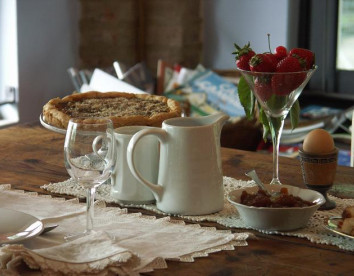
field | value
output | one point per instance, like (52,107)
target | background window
(345,37)
(326,27)
(8,63)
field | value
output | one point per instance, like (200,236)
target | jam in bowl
(291,209)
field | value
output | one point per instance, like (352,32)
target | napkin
(97,252)
(150,241)
(104,82)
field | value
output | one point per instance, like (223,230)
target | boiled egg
(318,141)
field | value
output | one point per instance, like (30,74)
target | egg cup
(318,172)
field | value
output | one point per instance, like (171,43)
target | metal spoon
(253,175)
(49,228)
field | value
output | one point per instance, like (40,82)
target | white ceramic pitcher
(125,187)
(190,180)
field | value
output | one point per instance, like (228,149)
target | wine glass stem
(90,201)
(276,125)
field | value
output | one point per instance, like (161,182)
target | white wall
(48,41)
(241,21)
(47,46)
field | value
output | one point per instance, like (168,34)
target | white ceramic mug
(190,179)
(125,187)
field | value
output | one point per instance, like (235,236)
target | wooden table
(32,156)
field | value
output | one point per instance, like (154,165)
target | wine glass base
(74,236)
(275,181)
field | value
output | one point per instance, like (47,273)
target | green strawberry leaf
(295,114)
(248,102)
(276,102)
(264,121)
(247,98)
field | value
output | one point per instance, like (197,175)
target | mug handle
(101,151)
(94,146)
(161,134)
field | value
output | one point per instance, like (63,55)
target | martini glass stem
(276,125)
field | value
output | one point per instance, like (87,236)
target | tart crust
(122,108)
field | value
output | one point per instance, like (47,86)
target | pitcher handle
(161,134)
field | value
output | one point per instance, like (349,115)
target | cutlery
(253,175)
(49,228)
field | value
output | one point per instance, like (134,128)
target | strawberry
(242,63)
(305,55)
(280,52)
(284,84)
(261,63)
(262,88)
(243,55)
(273,59)
(290,64)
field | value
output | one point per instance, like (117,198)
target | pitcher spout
(218,119)
(221,118)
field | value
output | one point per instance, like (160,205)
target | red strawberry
(273,58)
(290,64)
(304,55)
(280,52)
(261,63)
(243,55)
(242,63)
(284,84)
(262,88)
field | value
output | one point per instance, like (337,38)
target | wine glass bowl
(89,158)
(276,92)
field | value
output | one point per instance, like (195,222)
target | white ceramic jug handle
(94,146)
(161,134)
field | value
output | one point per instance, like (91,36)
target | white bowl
(277,219)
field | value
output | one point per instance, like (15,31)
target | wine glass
(276,93)
(89,159)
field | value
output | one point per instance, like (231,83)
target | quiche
(122,108)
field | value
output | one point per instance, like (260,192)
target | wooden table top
(32,156)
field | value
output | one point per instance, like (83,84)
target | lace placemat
(129,243)
(314,232)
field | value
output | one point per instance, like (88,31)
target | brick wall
(130,31)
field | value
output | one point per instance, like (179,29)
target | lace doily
(162,238)
(314,232)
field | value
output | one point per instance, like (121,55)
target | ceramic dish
(52,128)
(332,226)
(17,226)
(277,219)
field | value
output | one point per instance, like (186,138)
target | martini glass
(276,93)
